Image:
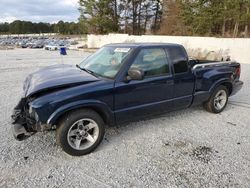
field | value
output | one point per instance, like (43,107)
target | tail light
(237,71)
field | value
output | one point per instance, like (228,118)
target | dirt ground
(187,148)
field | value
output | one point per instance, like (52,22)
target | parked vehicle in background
(118,84)
(34,42)
(57,45)
(51,47)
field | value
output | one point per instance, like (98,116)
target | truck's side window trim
(152,61)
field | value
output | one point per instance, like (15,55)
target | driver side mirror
(134,74)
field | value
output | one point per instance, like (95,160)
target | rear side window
(180,67)
(153,61)
(179,58)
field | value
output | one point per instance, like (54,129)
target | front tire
(80,132)
(218,100)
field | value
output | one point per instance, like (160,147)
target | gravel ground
(187,148)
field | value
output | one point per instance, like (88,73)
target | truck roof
(134,45)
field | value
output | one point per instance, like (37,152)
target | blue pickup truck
(118,84)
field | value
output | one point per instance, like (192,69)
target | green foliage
(227,18)
(128,16)
(25,27)
(215,17)
(99,16)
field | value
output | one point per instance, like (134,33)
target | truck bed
(196,64)
(208,74)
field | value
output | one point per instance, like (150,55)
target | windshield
(106,62)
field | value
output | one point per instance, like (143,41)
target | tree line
(27,27)
(222,18)
(226,18)
(124,16)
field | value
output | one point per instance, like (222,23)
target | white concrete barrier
(237,48)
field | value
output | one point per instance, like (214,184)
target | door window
(179,58)
(152,61)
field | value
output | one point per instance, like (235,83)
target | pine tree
(100,16)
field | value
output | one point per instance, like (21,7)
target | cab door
(152,95)
(184,79)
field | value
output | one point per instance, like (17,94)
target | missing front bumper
(19,132)
(19,125)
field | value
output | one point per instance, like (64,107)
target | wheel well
(95,109)
(229,86)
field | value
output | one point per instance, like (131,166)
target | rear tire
(80,132)
(218,100)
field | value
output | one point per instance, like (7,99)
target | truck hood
(56,77)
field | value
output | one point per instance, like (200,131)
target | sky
(50,11)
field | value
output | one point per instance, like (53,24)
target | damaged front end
(24,122)
(34,109)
